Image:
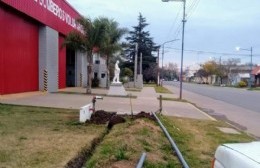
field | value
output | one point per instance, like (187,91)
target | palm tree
(89,42)
(111,43)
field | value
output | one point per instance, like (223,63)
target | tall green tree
(211,68)
(89,42)
(201,73)
(111,43)
(146,46)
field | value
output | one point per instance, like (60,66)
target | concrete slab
(99,91)
(146,101)
(228,130)
(183,109)
(20,95)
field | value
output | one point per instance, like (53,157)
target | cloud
(215,25)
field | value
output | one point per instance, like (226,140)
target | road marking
(202,112)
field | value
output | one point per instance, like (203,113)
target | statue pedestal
(117,89)
(139,82)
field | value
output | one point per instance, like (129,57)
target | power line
(213,53)
(174,23)
(191,8)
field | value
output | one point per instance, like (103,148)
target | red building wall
(18,53)
(62,63)
(57,14)
(19,40)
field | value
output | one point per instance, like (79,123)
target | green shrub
(124,79)
(242,84)
(127,72)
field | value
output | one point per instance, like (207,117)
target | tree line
(220,69)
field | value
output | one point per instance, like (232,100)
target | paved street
(228,104)
(238,97)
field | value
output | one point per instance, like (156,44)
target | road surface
(239,107)
(238,97)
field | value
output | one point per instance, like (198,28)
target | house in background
(189,73)
(239,73)
(236,78)
(256,75)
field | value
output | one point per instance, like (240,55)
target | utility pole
(135,73)
(220,69)
(141,63)
(163,51)
(158,72)
(251,67)
(182,46)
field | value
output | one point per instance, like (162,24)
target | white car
(237,155)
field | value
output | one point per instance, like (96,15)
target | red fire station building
(31,54)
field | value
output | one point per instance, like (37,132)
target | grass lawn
(172,99)
(255,89)
(42,137)
(197,140)
(158,89)
(133,89)
(123,146)
(47,137)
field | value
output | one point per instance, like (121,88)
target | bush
(124,79)
(127,72)
(242,84)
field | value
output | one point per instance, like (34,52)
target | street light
(182,46)
(163,48)
(251,63)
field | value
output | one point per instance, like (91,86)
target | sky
(213,30)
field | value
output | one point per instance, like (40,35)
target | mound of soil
(101,117)
(115,119)
(143,114)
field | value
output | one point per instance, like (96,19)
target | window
(97,62)
(103,75)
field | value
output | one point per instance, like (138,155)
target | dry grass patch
(42,137)
(126,142)
(159,89)
(198,139)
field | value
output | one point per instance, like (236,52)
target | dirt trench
(102,117)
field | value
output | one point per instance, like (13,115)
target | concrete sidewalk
(146,101)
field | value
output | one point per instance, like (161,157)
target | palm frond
(75,41)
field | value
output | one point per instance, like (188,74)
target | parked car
(237,155)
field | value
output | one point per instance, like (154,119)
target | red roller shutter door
(18,53)
(62,63)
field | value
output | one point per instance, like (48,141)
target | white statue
(117,72)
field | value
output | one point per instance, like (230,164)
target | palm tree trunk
(88,90)
(108,76)
(90,69)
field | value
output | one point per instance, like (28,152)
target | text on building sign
(60,13)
